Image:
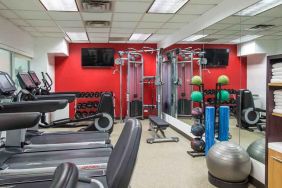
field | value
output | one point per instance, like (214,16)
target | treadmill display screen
(27,81)
(6,85)
(34,78)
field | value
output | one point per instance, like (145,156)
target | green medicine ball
(196,96)
(196,80)
(223,79)
(224,95)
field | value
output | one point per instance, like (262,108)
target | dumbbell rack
(87,104)
(202,119)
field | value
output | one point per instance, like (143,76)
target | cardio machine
(104,123)
(250,116)
(36,139)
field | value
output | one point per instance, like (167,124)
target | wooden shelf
(276,114)
(275,84)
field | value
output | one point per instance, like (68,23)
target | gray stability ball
(256,150)
(229,162)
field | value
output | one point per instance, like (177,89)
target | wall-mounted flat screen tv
(97,57)
(217,57)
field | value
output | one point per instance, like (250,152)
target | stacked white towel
(276,73)
(278,101)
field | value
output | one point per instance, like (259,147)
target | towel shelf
(277,114)
(275,84)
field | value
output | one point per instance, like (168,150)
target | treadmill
(69,139)
(15,163)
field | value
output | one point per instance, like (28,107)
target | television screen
(97,57)
(217,57)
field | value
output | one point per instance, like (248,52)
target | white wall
(256,75)
(14,39)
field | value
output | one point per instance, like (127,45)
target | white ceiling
(130,16)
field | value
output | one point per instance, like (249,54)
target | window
(5,61)
(19,64)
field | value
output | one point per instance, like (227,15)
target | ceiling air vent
(95,5)
(207,40)
(261,27)
(94,24)
(118,39)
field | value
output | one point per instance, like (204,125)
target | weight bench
(159,125)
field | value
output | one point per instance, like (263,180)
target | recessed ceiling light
(60,5)
(77,36)
(194,38)
(259,7)
(139,37)
(166,6)
(245,38)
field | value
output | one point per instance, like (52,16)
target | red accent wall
(70,76)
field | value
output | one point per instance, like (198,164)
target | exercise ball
(196,96)
(224,95)
(223,79)
(198,145)
(256,150)
(196,80)
(229,162)
(197,129)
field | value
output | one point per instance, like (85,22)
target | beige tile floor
(167,165)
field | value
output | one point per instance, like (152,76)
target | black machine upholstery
(120,165)
(158,121)
(122,160)
(65,176)
(22,120)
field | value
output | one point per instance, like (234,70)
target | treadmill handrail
(13,121)
(43,106)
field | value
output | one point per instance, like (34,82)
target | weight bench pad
(158,122)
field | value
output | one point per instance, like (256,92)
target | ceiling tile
(219,26)
(166,31)
(2,7)
(121,30)
(19,22)
(96,16)
(65,15)
(70,23)
(134,7)
(172,25)
(156,38)
(258,20)
(43,23)
(48,29)
(226,32)
(205,1)
(127,17)
(97,35)
(209,31)
(39,15)
(124,24)
(277,22)
(233,20)
(138,30)
(195,9)
(274,12)
(120,34)
(149,25)
(28,28)
(156,17)
(61,35)
(8,14)
(239,27)
(98,30)
(183,18)
(74,29)
(269,37)
(23,4)
(36,34)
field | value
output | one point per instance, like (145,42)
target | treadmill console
(26,82)
(7,86)
(34,78)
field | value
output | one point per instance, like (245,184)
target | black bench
(159,125)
